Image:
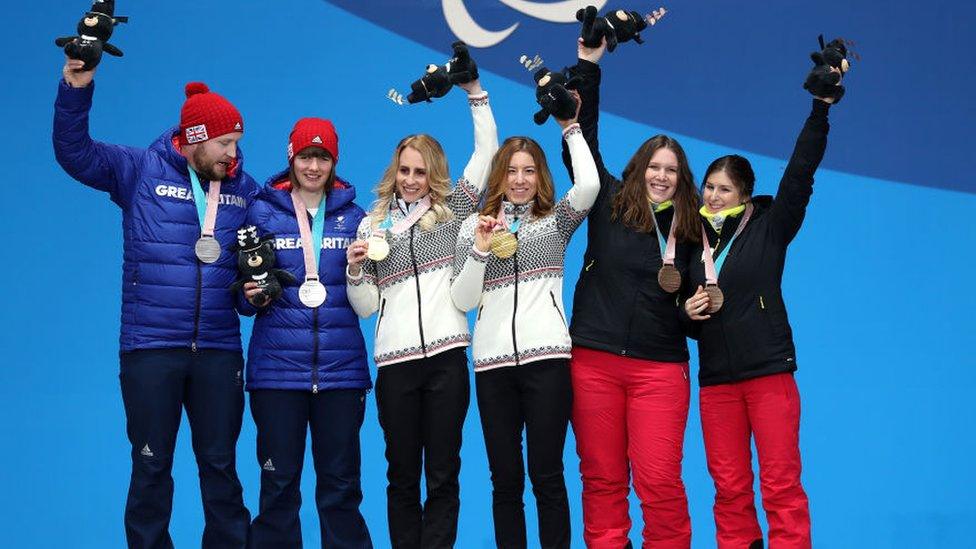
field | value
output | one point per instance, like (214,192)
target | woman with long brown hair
(630,356)
(400,266)
(509,264)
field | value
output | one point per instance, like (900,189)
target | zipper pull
(315,388)
(762,304)
(193,346)
(587,269)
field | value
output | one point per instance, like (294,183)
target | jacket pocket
(556,306)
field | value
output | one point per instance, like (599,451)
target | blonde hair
(498,177)
(438,178)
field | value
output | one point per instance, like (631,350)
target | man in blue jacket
(182,201)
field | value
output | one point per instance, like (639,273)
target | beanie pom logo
(193,88)
(196,134)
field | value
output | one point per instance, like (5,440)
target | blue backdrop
(876,281)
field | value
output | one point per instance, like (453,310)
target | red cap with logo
(313,132)
(206,115)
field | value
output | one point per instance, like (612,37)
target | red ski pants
(629,416)
(767,408)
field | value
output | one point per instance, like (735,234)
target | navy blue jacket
(293,346)
(169,298)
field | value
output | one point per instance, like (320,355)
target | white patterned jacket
(411,288)
(521,316)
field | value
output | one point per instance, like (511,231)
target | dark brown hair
(329,183)
(498,177)
(739,171)
(630,204)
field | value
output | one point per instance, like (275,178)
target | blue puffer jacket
(293,346)
(169,298)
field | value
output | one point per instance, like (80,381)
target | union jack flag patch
(196,134)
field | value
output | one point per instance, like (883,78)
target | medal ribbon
(404,224)
(206,207)
(713,266)
(310,235)
(503,221)
(667,246)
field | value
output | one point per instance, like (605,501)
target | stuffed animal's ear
(541,117)
(61,42)
(268,238)
(817,58)
(111,50)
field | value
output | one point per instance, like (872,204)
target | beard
(208,168)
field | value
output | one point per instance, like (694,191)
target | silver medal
(207,249)
(312,293)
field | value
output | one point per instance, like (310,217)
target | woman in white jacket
(509,264)
(400,265)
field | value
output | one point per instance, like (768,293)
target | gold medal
(377,248)
(669,278)
(715,298)
(503,244)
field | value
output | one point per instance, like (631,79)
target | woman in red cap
(306,364)
(401,266)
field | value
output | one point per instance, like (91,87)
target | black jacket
(618,305)
(751,335)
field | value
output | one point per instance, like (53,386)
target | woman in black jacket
(630,358)
(745,344)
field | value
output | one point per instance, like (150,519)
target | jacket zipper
(315,350)
(561,317)
(380,319)
(196,313)
(515,307)
(416,278)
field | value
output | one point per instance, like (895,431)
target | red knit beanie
(206,115)
(313,132)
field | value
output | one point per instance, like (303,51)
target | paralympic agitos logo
(463,25)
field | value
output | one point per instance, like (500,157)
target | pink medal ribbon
(415,214)
(668,277)
(311,293)
(711,272)
(207,248)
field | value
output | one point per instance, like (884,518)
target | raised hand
(74,76)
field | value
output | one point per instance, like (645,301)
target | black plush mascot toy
(552,94)
(460,69)
(830,65)
(255,262)
(618,26)
(94,30)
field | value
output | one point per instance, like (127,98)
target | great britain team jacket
(293,346)
(169,298)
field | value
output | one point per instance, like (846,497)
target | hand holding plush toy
(616,27)
(459,70)
(255,262)
(94,30)
(552,92)
(830,65)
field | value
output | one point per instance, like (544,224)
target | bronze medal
(669,278)
(715,298)
(503,244)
